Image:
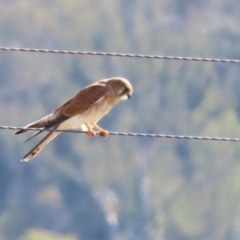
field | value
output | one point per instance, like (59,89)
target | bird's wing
(85,99)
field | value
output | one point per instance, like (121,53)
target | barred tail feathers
(36,149)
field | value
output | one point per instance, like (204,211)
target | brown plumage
(83,110)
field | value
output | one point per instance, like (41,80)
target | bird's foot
(91,133)
(103,133)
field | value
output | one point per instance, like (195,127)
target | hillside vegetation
(122,187)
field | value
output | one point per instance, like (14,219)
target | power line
(120,55)
(133,134)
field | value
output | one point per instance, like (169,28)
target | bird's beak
(129,95)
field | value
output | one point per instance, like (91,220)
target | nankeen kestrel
(83,110)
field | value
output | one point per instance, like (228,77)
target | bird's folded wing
(85,99)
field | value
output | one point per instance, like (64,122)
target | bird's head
(121,86)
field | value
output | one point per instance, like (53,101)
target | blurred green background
(122,188)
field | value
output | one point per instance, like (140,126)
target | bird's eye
(125,91)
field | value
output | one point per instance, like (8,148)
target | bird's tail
(35,150)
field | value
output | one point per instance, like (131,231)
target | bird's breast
(97,111)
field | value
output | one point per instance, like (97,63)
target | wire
(133,134)
(121,55)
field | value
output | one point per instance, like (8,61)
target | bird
(84,111)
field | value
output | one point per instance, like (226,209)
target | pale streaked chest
(97,111)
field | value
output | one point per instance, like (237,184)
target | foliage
(38,234)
